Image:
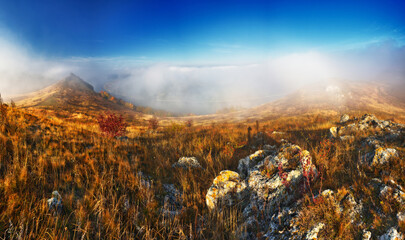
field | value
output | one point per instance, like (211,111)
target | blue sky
(200,56)
(190,30)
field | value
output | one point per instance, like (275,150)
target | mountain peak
(76,83)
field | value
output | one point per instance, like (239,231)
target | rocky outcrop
(268,180)
(389,131)
(268,186)
(379,133)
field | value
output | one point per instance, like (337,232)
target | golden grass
(42,151)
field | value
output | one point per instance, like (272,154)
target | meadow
(113,188)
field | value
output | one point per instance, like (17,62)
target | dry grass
(105,196)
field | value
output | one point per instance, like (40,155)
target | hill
(70,93)
(325,100)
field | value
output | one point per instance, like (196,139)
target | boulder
(226,190)
(392,234)
(266,185)
(379,156)
(187,162)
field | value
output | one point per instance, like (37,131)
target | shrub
(153,123)
(112,125)
(189,123)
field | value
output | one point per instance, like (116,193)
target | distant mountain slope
(71,93)
(75,95)
(339,96)
(332,98)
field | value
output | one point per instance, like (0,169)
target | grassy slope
(42,151)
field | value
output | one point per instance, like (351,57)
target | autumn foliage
(153,123)
(112,125)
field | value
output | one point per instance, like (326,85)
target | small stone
(187,162)
(313,234)
(55,203)
(366,235)
(368,118)
(173,199)
(401,217)
(333,132)
(344,118)
(328,193)
(392,234)
(346,138)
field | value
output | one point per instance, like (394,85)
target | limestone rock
(366,235)
(346,138)
(173,199)
(344,118)
(313,234)
(333,132)
(392,234)
(187,162)
(401,218)
(328,194)
(262,193)
(379,156)
(368,118)
(248,162)
(393,192)
(55,203)
(226,189)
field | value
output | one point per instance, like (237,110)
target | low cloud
(201,88)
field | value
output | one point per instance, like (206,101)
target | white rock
(347,138)
(380,156)
(245,164)
(226,189)
(392,234)
(366,235)
(187,162)
(333,132)
(313,233)
(401,217)
(344,118)
(368,118)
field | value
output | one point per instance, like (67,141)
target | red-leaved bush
(308,173)
(283,175)
(112,125)
(153,123)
